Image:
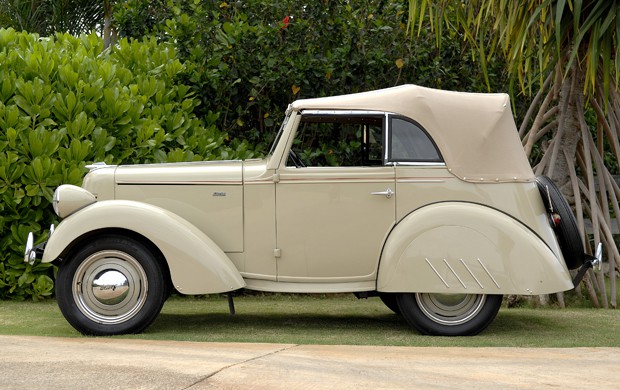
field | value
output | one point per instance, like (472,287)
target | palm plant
(566,54)
(75,16)
(46,17)
(32,16)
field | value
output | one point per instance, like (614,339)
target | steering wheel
(296,160)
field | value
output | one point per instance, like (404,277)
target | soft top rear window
(408,142)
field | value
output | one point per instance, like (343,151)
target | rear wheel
(390,300)
(449,314)
(112,285)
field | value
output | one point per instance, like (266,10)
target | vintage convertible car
(421,197)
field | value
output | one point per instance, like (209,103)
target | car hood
(210,172)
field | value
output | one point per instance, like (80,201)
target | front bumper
(32,252)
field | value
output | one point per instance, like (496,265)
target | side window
(409,143)
(338,141)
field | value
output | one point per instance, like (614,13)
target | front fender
(197,265)
(468,248)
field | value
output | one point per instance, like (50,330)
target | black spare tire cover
(566,230)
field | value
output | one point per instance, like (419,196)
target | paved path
(101,363)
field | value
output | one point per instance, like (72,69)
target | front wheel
(449,314)
(112,285)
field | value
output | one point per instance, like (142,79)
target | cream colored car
(422,197)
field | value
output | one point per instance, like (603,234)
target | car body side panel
(209,195)
(455,247)
(197,265)
(217,210)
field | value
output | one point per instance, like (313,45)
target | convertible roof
(475,132)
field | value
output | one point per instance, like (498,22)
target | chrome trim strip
(343,112)
(259,182)
(472,274)
(437,273)
(455,274)
(96,165)
(420,181)
(488,273)
(386,123)
(179,183)
(181,163)
(334,180)
(420,164)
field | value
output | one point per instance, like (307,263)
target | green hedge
(65,102)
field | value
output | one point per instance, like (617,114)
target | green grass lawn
(339,319)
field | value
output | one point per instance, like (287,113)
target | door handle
(387,193)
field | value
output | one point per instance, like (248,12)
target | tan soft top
(475,132)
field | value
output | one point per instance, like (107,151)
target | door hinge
(276,177)
(277,253)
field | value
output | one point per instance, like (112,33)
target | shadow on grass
(238,321)
(510,329)
(519,320)
(278,318)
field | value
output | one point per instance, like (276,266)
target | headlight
(69,199)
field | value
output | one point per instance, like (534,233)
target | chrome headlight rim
(69,198)
(56,200)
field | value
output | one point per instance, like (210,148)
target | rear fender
(468,248)
(197,265)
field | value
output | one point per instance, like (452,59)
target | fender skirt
(468,248)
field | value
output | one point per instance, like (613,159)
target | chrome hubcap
(450,309)
(110,287)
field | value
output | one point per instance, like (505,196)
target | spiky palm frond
(534,35)
(75,16)
(46,17)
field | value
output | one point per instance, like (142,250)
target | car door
(335,200)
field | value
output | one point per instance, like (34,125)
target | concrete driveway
(103,363)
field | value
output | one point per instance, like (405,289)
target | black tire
(390,300)
(111,285)
(449,314)
(566,230)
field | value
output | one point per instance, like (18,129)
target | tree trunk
(572,149)
(568,133)
(108,32)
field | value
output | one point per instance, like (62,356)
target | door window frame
(342,113)
(387,118)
